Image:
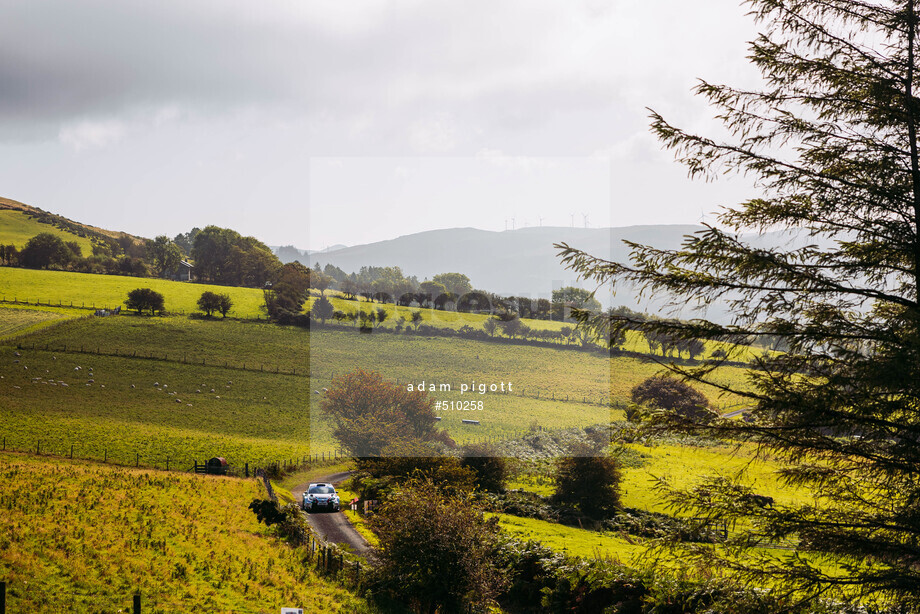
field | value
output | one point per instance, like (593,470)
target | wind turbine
(541,221)
(573,220)
(512,223)
(584,215)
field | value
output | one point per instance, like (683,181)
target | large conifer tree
(831,139)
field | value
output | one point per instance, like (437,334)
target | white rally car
(320,496)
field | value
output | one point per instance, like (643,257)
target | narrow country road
(334,526)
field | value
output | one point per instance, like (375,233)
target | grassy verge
(356,518)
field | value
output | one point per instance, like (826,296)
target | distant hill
(524,263)
(289,253)
(520,262)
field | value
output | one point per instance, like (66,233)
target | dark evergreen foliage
(831,138)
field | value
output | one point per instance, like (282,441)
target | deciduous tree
(208,302)
(371,414)
(142,299)
(164,254)
(45,250)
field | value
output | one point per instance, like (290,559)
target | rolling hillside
(84,537)
(19,222)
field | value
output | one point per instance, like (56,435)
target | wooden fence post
(2,597)
(137,604)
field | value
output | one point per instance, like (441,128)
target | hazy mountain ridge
(520,262)
(525,263)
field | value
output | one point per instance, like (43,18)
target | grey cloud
(64,61)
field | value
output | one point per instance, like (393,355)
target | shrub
(491,471)
(436,550)
(588,482)
(664,392)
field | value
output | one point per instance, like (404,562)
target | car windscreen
(322,490)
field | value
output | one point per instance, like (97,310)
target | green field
(81,537)
(574,541)
(215,342)
(250,417)
(19,321)
(16,228)
(440,319)
(682,466)
(266,416)
(548,371)
(262,416)
(110,291)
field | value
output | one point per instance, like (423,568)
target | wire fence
(240,468)
(174,357)
(93,306)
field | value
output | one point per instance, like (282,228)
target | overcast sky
(315,123)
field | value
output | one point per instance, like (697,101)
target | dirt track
(333,526)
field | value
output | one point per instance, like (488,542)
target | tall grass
(80,537)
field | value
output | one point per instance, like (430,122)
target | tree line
(446,292)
